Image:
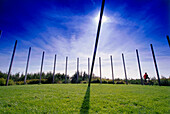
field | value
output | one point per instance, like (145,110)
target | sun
(104,18)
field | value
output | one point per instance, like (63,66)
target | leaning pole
(77,70)
(100,68)
(156,67)
(124,68)
(27,66)
(41,66)
(112,68)
(54,67)
(88,67)
(10,66)
(137,54)
(66,70)
(97,39)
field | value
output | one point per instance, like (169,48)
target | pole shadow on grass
(86,102)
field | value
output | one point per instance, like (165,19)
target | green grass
(78,98)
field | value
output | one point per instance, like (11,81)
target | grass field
(78,98)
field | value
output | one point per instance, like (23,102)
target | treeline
(47,78)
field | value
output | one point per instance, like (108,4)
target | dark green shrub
(156,83)
(95,81)
(3,75)
(165,82)
(36,81)
(33,81)
(63,81)
(136,81)
(44,81)
(104,81)
(110,82)
(59,82)
(120,82)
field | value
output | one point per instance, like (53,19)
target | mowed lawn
(78,98)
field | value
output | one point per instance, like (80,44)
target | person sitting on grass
(146,77)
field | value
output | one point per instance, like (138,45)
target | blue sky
(68,28)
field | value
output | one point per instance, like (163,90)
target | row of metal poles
(124,65)
(93,60)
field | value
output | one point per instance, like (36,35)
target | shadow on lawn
(85,105)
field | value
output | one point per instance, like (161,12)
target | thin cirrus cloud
(73,35)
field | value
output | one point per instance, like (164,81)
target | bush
(63,81)
(59,82)
(84,82)
(44,81)
(2,81)
(20,83)
(104,81)
(136,81)
(165,82)
(110,81)
(36,81)
(95,81)
(11,82)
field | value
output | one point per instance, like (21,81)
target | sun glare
(104,18)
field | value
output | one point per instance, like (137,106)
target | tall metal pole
(97,39)
(88,67)
(124,68)
(27,65)
(11,63)
(168,40)
(77,69)
(41,65)
(139,67)
(112,69)
(155,64)
(54,67)
(100,70)
(66,70)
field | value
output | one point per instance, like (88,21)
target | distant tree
(153,78)
(3,75)
(85,77)
(15,77)
(163,77)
